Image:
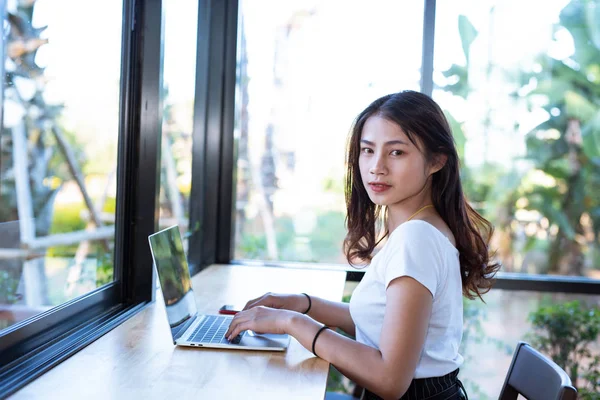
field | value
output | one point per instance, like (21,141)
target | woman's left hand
(260,320)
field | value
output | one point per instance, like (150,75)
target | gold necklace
(418,211)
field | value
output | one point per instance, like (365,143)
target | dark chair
(536,377)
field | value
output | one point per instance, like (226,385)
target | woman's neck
(398,214)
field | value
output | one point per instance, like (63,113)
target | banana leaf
(590,133)
(547,206)
(458,134)
(592,19)
(581,20)
(579,107)
(468,33)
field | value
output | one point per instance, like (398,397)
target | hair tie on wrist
(316,336)
(309,304)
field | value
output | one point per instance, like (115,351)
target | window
(305,70)
(522,96)
(495,328)
(59,154)
(181,28)
(76,200)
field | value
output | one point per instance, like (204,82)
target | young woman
(403,184)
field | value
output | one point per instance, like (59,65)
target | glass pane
(523,97)
(58,156)
(306,69)
(179,77)
(507,317)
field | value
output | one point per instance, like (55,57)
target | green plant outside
(564,332)
(67,218)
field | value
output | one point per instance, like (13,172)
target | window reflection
(58,156)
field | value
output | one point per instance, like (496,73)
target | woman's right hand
(293,302)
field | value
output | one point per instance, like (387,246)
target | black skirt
(447,387)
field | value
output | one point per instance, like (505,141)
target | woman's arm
(333,314)
(386,372)
(330,313)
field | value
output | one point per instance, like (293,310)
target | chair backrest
(536,377)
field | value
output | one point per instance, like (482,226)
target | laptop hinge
(179,330)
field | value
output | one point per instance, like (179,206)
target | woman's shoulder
(415,228)
(419,232)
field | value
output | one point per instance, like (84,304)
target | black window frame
(32,347)
(211,200)
(222,200)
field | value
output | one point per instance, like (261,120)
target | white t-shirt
(419,250)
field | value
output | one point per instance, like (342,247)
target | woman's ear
(439,160)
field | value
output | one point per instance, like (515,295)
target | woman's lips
(379,187)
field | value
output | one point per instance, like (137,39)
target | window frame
(32,347)
(213,161)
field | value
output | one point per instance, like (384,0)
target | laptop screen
(174,277)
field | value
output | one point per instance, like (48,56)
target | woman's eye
(397,153)
(366,150)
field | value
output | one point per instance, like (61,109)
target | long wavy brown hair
(419,117)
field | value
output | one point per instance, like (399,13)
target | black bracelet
(316,336)
(309,304)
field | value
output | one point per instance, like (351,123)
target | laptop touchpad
(253,339)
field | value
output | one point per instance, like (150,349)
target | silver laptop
(187,326)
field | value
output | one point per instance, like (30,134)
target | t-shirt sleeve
(413,251)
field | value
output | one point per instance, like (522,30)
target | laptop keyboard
(212,330)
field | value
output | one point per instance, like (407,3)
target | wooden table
(137,360)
